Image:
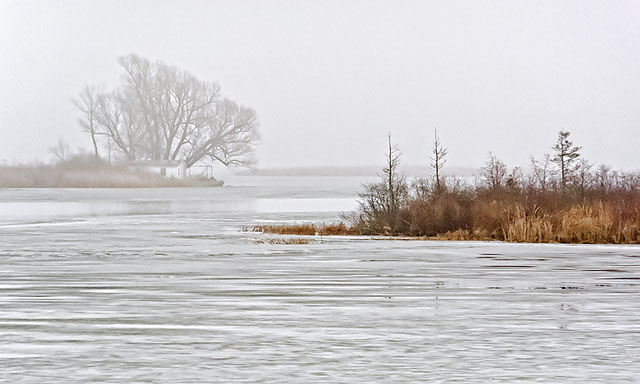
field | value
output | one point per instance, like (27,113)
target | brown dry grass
(86,172)
(284,241)
(580,224)
(596,223)
(463,235)
(308,229)
(584,224)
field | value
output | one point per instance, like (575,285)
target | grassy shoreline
(91,173)
(563,199)
(578,229)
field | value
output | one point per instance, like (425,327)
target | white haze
(329,79)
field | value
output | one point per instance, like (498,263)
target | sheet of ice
(163,286)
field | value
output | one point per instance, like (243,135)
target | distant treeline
(87,171)
(563,198)
(348,171)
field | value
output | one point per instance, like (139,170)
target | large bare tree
(160,112)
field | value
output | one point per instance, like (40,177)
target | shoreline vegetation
(581,225)
(305,229)
(87,171)
(562,199)
(157,113)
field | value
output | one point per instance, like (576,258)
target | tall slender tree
(438,158)
(391,173)
(566,155)
(87,103)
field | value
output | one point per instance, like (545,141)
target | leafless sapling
(542,171)
(60,151)
(438,158)
(494,172)
(87,104)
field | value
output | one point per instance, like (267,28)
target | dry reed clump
(582,224)
(587,224)
(527,228)
(464,235)
(284,241)
(309,229)
(630,233)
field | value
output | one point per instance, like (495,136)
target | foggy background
(329,79)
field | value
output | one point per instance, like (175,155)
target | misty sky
(329,79)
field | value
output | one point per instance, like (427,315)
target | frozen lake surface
(163,286)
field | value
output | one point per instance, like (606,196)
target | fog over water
(501,76)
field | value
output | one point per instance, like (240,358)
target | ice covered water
(162,285)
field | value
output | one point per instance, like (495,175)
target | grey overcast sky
(329,79)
